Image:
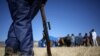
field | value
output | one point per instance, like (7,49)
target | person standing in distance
(94,36)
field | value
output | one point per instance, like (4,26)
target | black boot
(11,52)
(8,51)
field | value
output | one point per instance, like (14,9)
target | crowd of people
(89,39)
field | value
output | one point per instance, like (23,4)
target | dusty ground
(65,51)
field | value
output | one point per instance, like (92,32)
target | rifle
(45,29)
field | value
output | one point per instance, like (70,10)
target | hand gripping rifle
(45,29)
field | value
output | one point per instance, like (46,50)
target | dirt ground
(64,51)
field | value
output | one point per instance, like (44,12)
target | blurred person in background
(94,36)
(72,40)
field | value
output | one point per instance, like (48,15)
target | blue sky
(66,17)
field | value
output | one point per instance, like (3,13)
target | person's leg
(96,43)
(93,42)
(24,25)
(72,43)
(12,43)
(22,18)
